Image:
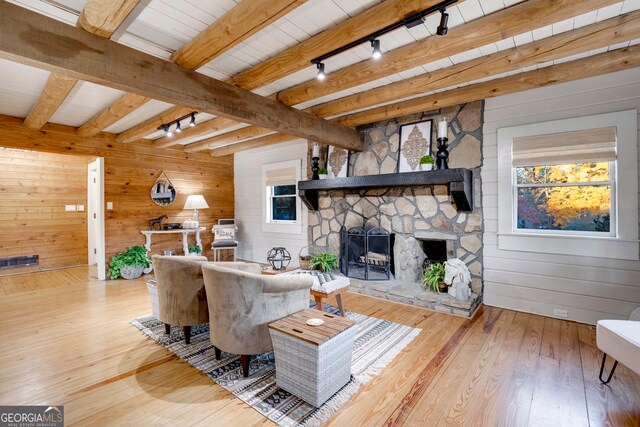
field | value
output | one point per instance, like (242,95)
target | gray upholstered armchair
(181,294)
(242,303)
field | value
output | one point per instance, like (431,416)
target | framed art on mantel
(337,162)
(415,142)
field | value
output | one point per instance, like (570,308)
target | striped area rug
(377,343)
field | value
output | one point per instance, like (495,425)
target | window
(574,197)
(281,205)
(572,189)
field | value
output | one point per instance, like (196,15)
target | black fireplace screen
(365,253)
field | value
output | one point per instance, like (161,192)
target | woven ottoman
(313,362)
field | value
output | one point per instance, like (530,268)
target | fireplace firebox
(365,253)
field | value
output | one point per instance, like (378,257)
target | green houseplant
(324,261)
(129,264)
(195,249)
(426,163)
(433,277)
(323,173)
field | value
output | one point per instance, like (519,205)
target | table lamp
(195,202)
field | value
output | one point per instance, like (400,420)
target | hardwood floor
(65,338)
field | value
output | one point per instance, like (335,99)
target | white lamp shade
(196,201)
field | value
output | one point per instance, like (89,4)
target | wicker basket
(305,261)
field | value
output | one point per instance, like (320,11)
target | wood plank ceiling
(265,46)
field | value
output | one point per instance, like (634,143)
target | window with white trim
(281,205)
(570,186)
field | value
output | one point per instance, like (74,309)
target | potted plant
(129,264)
(324,261)
(433,278)
(194,250)
(323,173)
(426,163)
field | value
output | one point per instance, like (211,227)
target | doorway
(95,216)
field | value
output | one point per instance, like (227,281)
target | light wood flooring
(65,338)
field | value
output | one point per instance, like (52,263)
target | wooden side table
(318,296)
(313,362)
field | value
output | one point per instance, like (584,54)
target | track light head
(178,127)
(168,131)
(443,29)
(376,53)
(192,122)
(321,74)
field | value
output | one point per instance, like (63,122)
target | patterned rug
(377,343)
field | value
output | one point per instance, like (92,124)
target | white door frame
(99,238)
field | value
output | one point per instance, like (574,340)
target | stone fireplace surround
(412,213)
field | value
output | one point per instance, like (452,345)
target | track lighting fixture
(166,128)
(444,19)
(376,53)
(374,38)
(321,74)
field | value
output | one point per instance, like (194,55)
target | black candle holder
(442,155)
(315,167)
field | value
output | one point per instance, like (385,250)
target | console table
(185,240)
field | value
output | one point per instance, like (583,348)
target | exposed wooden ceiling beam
(150,126)
(128,103)
(33,39)
(509,22)
(104,17)
(214,125)
(299,56)
(603,63)
(239,23)
(595,36)
(615,60)
(98,17)
(463,40)
(53,95)
(242,21)
(227,138)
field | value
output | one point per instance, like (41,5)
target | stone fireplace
(422,219)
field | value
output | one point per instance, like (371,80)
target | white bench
(326,285)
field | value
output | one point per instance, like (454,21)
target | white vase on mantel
(323,175)
(426,167)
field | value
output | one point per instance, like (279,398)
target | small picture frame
(415,142)
(337,162)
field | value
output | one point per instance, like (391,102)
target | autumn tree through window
(569,197)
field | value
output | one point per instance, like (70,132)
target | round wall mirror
(163,193)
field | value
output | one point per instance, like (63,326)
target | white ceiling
(159,27)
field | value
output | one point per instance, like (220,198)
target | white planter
(426,167)
(131,271)
(323,176)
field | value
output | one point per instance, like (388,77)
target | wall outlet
(109,206)
(560,313)
(70,208)
(80,208)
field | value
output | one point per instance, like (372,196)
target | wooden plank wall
(34,189)
(130,171)
(588,288)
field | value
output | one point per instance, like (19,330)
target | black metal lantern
(279,258)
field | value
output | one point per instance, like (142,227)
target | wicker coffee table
(313,362)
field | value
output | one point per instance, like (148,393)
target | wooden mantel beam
(33,39)
(609,62)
